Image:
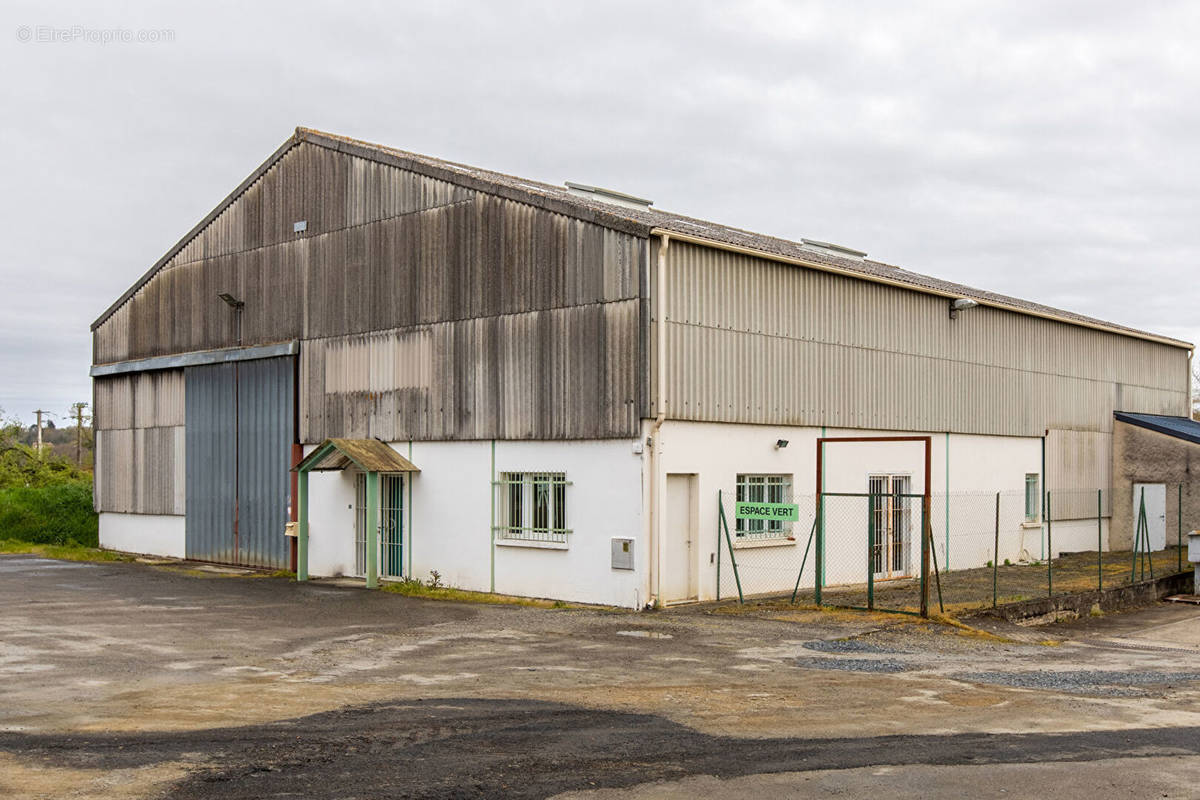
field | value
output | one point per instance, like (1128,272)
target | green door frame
(373,482)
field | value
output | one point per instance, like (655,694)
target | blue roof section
(1179,427)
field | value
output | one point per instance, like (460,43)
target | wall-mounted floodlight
(780,444)
(961,304)
(231,301)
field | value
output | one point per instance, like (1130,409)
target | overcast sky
(1048,151)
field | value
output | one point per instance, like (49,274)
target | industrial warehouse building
(541,390)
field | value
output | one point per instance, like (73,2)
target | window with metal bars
(532,507)
(763,489)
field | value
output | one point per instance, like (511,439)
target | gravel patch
(849,646)
(1116,683)
(852,664)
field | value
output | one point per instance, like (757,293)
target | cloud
(1042,150)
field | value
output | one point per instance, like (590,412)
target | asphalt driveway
(135,680)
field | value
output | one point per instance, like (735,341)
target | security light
(231,301)
(961,304)
(780,444)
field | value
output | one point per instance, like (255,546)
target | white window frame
(1033,503)
(763,488)
(531,507)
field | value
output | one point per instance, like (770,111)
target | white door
(1156,512)
(679,559)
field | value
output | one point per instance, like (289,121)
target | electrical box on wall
(622,553)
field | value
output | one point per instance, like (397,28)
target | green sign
(782,512)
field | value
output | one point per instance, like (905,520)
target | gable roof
(369,455)
(641,222)
(1177,427)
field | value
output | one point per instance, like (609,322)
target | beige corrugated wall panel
(751,340)
(1077,464)
(142,470)
(139,400)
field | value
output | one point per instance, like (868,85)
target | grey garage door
(240,426)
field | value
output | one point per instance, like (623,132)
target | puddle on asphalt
(646,634)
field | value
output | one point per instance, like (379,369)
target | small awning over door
(371,456)
(368,455)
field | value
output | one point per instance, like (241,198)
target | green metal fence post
(1137,538)
(870,552)
(937,574)
(819,555)
(1179,528)
(1100,539)
(811,532)
(1049,549)
(372,529)
(302,526)
(996,553)
(732,560)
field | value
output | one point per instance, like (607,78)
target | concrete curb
(1071,606)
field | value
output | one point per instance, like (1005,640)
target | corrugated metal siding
(211,463)
(239,441)
(265,436)
(389,250)
(558,374)
(1077,463)
(138,420)
(139,400)
(751,340)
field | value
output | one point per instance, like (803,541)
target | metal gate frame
(927,500)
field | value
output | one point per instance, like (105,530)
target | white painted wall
(603,502)
(979,466)
(148,534)
(449,520)
(330,522)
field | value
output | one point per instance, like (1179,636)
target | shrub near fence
(58,514)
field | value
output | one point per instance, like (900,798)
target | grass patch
(415,588)
(63,552)
(59,514)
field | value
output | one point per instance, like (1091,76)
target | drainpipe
(660,350)
(1191,384)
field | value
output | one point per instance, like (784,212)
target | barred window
(1033,498)
(533,506)
(763,489)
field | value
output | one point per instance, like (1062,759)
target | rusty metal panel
(265,433)
(211,453)
(750,340)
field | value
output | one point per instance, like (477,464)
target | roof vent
(835,249)
(607,195)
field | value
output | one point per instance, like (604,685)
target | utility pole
(39,413)
(77,410)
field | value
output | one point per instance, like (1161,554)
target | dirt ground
(132,680)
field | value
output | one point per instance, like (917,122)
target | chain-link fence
(984,548)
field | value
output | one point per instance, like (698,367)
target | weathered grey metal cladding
(139,423)
(265,436)
(139,400)
(481,275)
(556,374)
(751,340)
(402,250)
(211,463)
